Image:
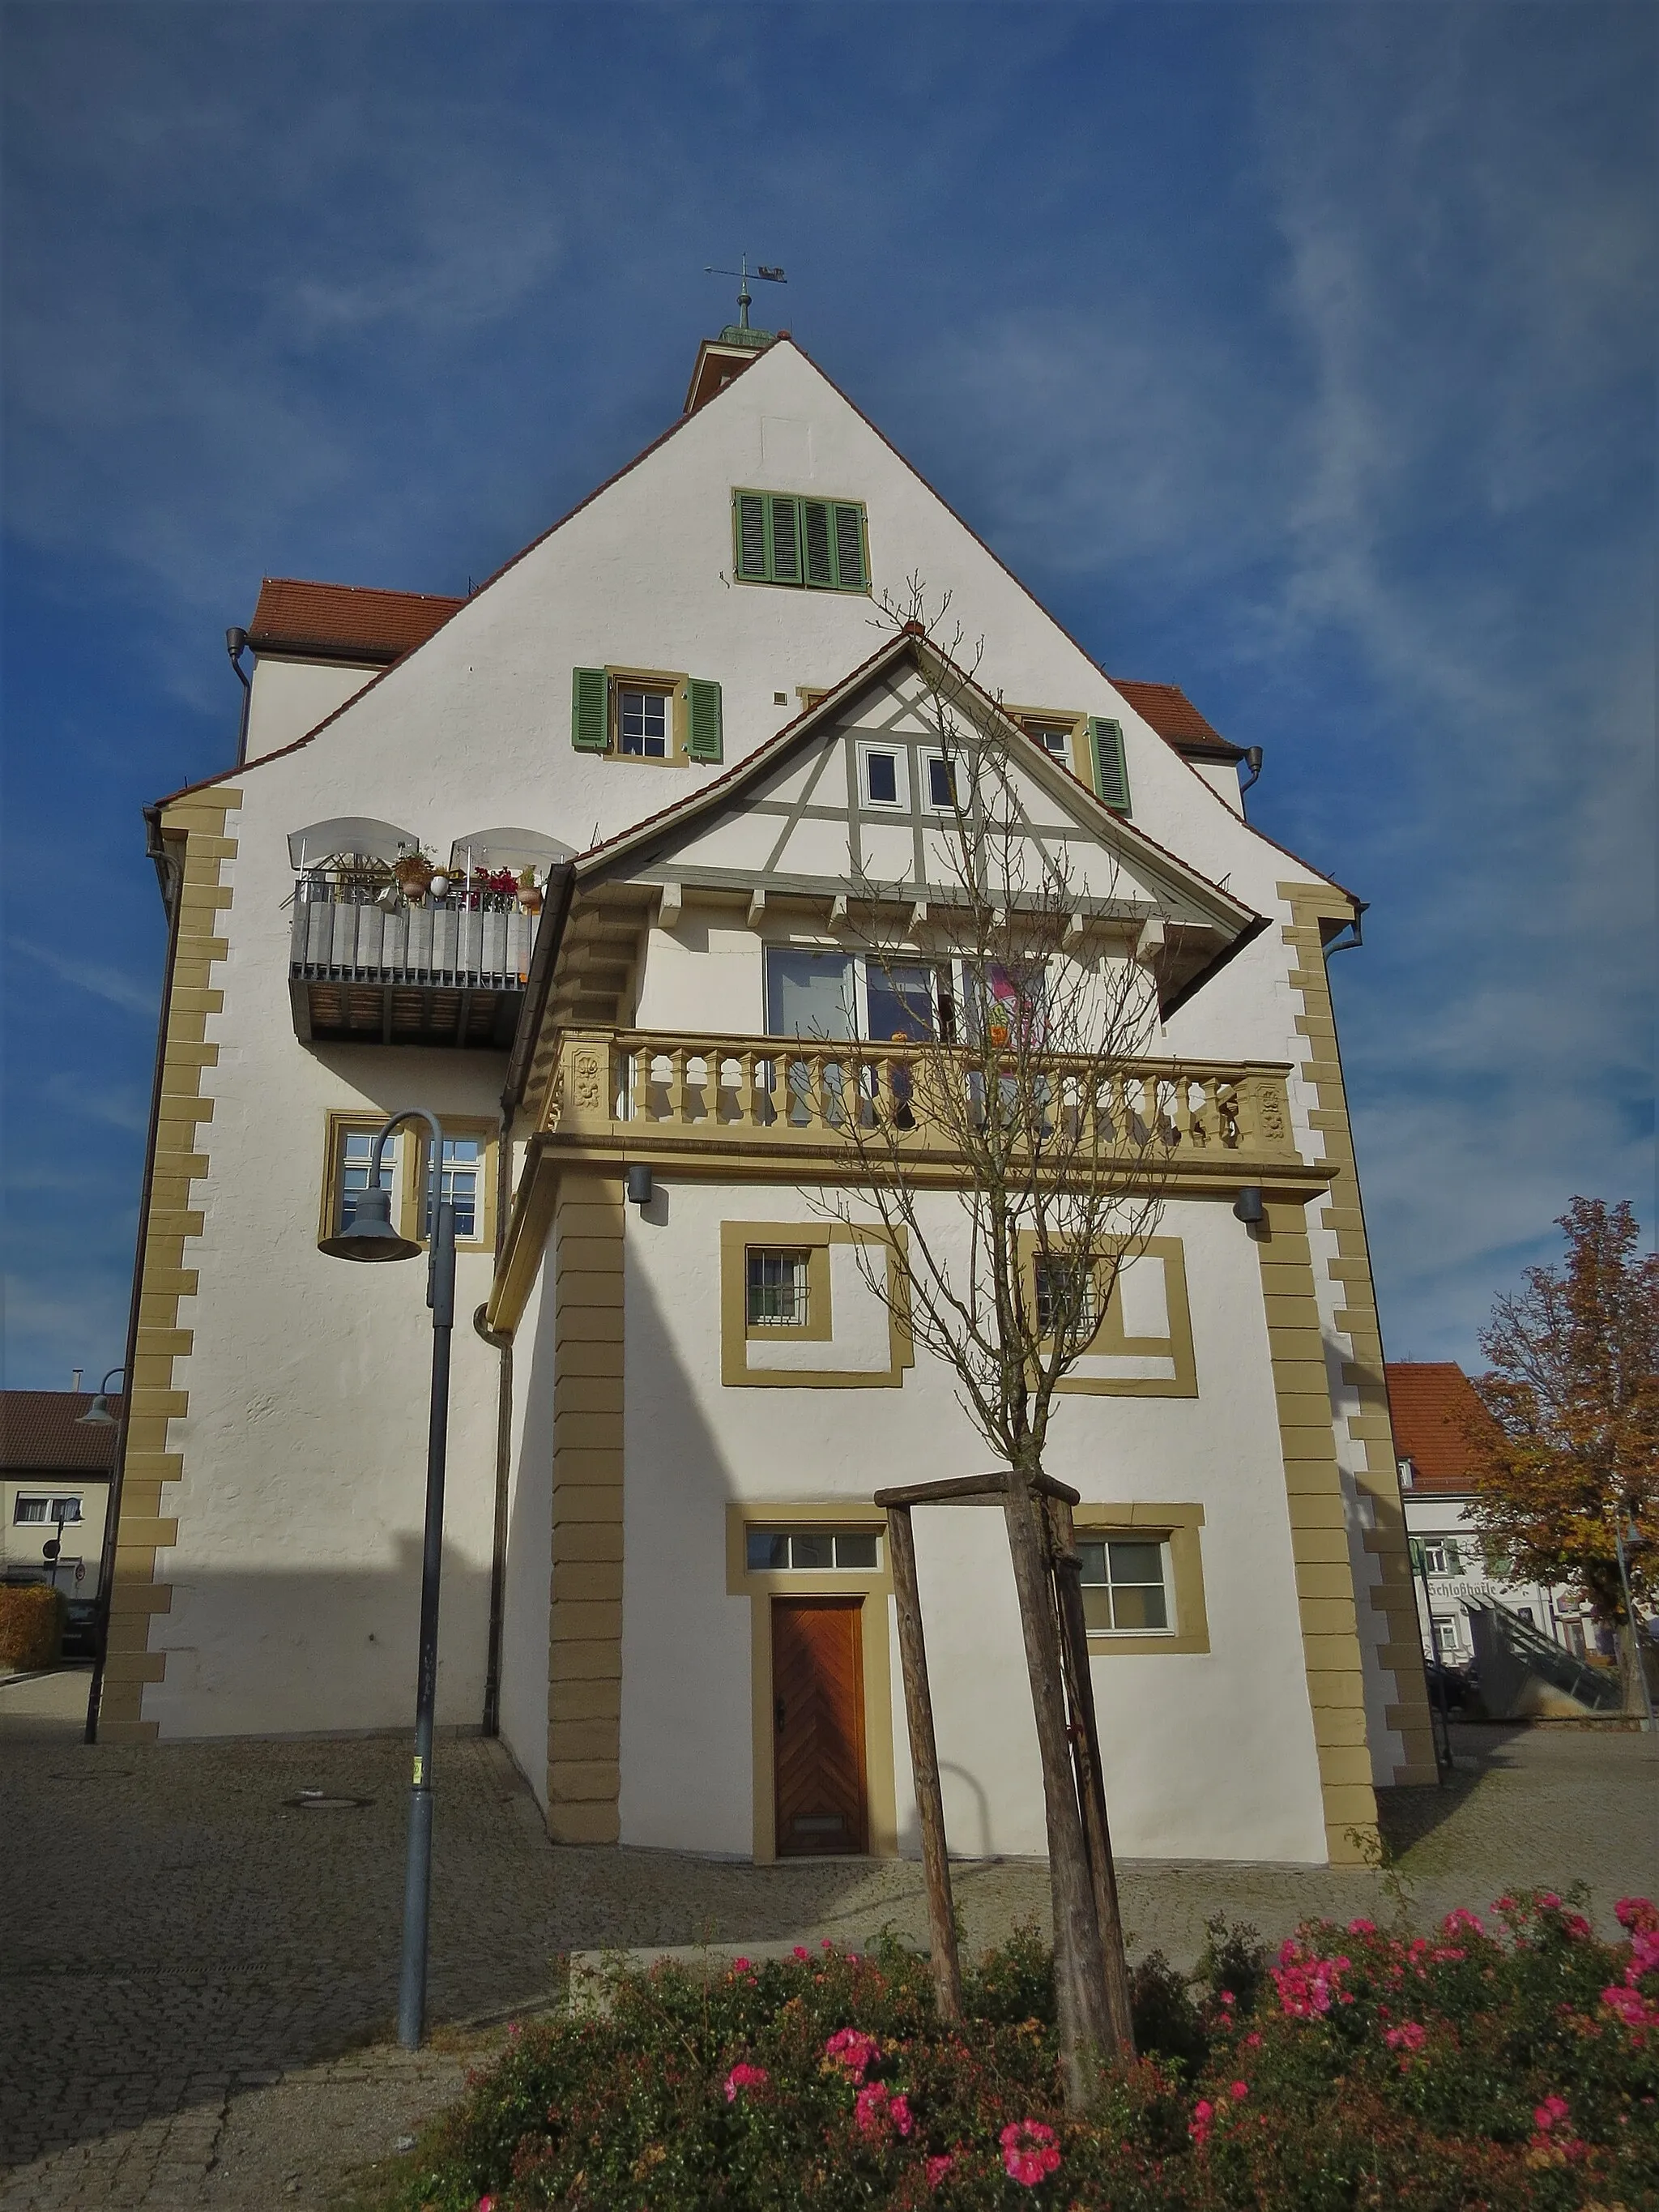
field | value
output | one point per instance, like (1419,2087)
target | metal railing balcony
(367,966)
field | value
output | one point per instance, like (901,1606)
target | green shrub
(33,1617)
(1504,2067)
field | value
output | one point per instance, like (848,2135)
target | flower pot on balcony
(414,875)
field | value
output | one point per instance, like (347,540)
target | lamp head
(1248,1205)
(639,1184)
(97,1415)
(371,1235)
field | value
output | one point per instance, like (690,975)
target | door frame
(875,1587)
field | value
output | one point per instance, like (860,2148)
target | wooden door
(817,1720)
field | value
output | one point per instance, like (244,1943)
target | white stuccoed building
(664,1580)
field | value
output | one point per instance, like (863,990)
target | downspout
(555,908)
(170,875)
(504,1343)
(235,646)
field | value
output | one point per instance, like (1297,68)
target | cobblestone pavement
(197,1972)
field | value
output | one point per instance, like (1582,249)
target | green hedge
(33,1617)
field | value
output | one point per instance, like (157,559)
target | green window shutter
(849,549)
(590,710)
(815,528)
(751,507)
(1111,771)
(702,720)
(786,541)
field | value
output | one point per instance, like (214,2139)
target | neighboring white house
(54,1489)
(679,716)
(1435,1408)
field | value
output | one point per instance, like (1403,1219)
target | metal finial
(770,273)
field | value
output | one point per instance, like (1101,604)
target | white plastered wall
(1209,1755)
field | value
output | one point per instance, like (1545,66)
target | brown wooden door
(817,1720)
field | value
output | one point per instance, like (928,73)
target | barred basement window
(780,537)
(777,1285)
(1073,1284)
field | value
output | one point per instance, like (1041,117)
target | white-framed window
(802,1551)
(1440,1556)
(43,1512)
(356,1145)
(777,1290)
(828,994)
(885,776)
(1126,1584)
(942,782)
(1054,738)
(462,1180)
(643,721)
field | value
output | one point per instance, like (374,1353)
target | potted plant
(414,871)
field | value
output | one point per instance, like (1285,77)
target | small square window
(642,723)
(881,779)
(941,783)
(767,1551)
(777,1288)
(1054,738)
(809,1550)
(1074,1285)
(1124,1585)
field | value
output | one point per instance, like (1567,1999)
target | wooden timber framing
(584,1696)
(1317,911)
(194,828)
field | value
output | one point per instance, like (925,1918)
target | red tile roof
(40,1433)
(1173,715)
(1433,1405)
(349,621)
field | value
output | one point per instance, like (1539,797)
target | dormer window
(780,537)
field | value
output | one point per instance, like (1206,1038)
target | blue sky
(1301,355)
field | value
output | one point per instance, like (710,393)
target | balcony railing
(695,1090)
(367,966)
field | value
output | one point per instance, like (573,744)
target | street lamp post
(370,1236)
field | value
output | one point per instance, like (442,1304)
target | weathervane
(742,272)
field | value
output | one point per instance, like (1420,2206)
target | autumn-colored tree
(1571,1455)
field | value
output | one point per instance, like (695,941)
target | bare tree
(1009,1143)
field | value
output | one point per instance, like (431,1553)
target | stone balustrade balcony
(660,1095)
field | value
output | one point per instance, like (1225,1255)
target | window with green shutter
(590,710)
(646,714)
(1110,769)
(780,537)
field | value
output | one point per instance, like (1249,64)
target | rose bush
(1501,2061)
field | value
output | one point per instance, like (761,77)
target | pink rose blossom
(1029,2152)
(1637,1914)
(1362,1928)
(744,2076)
(743,1966)
(1201,2122)
(877,2111)
(801,1951)
(486,2205)
(1545,2115)
(1459,1918)
(851,2049)
(1253,2041)
(937,2168)
(1548,1901)
(1238,2091)
(1408,2036)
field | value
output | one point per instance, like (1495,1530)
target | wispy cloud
(95,977)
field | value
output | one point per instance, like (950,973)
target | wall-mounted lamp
(1246,1207)
(1252,762)
(639,1185)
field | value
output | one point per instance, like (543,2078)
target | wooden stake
(924,1761)
(1091,1774)
(1080,1972)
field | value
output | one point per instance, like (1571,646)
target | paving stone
(218,2016)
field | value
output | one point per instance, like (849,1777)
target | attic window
(780,537)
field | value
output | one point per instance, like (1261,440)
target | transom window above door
(772,1551)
